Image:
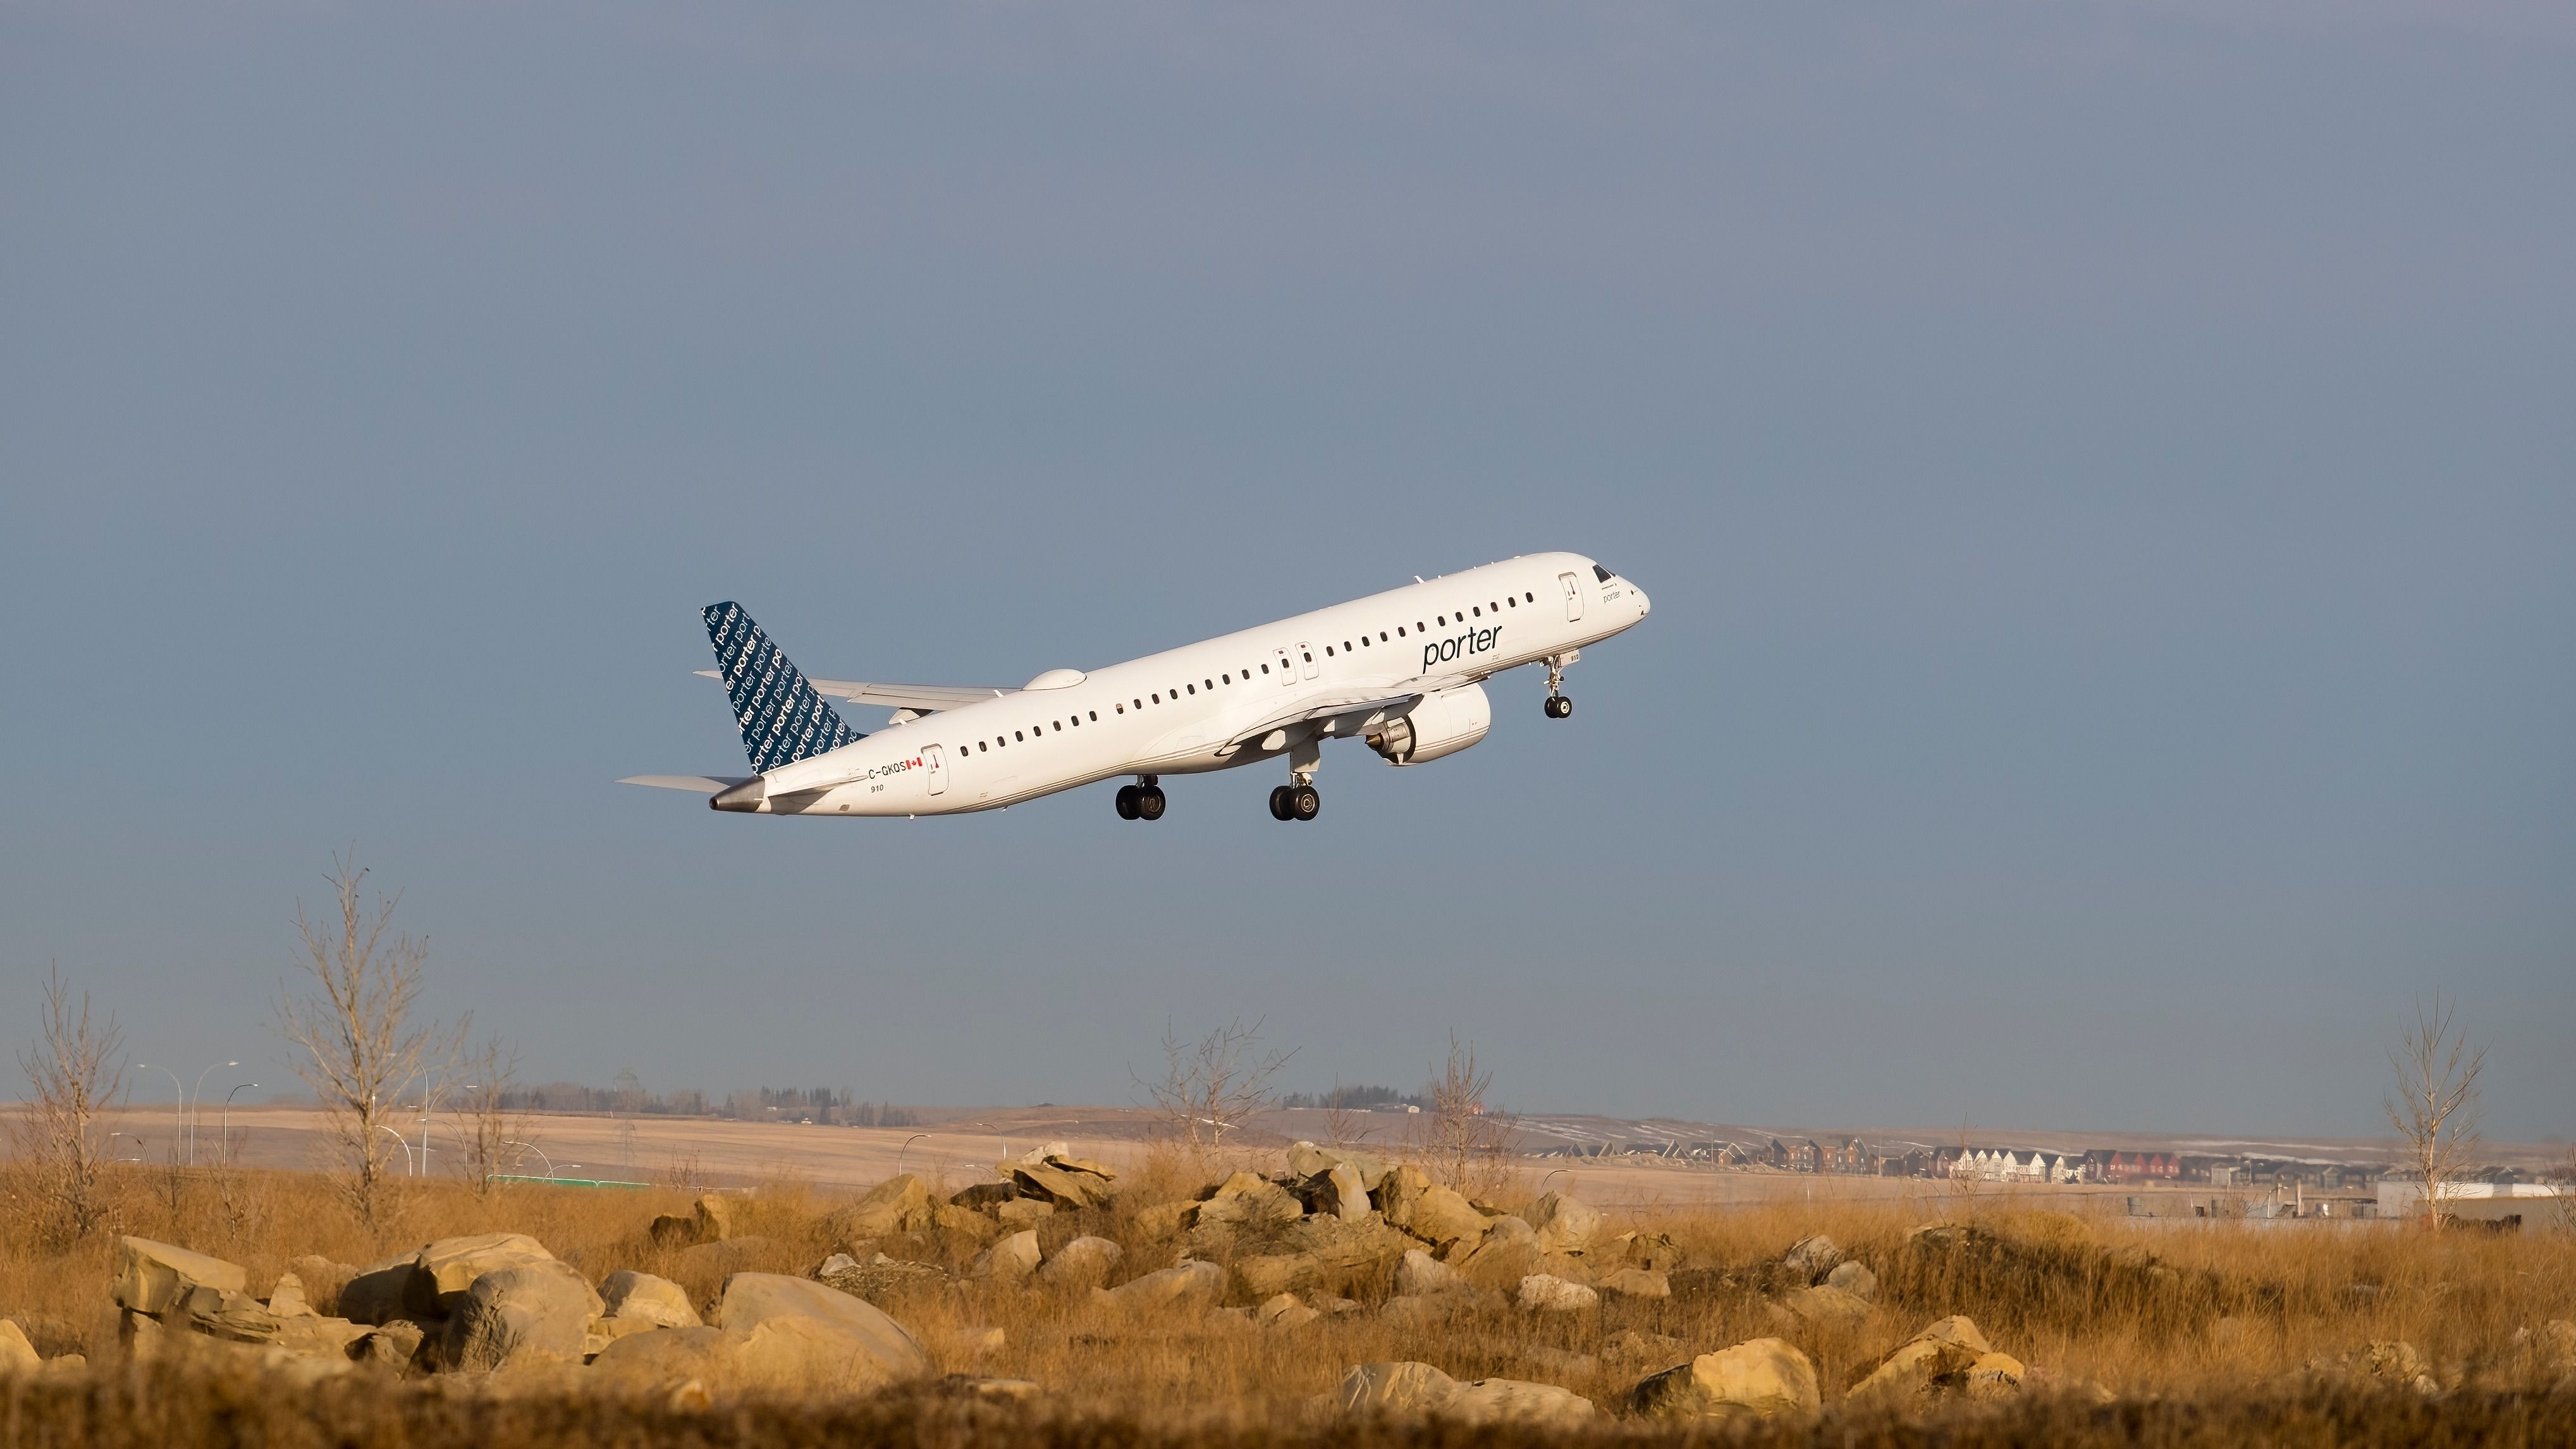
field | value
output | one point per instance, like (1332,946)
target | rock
(1631,1345)
(2393,1362)
(1512,1401)
(1764,1378)
(1419,1273)
(837,1263)
(1308,1161)
(1344,1194)
(323,1281)
(1994,1376)
(374,1293)
(1083,1263)
(1637,1283)
(631,1295)
(17,1355)
(1408,1389)
(900,1204)
(1441,1216)
(1399,1387)
(394,1344)
(512,1317)
(1397,1193)
(1163,1219)
(1065,1185)
(721,1257)
(984,1196)
(1184,1285)
(442,1271)
(1506,1254)
(1572,1270)
(320,1337)
(1264,1275)
(287,1300)
(1247,1200)
(667,1358)
(1008,1261)
(154,1277)
(1284,1312)
(1655,1252)
(1853,1277)
(998,1390)
(1810,1259)
(1557,1363)
(1563,1224)
(1546,1293)
(604,1331)
(881,1279)
(232,1316)
(963,1223)
(1825,1306)
(1023,1212)
(794,1332)
(1938,1356)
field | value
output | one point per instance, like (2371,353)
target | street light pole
(228,1113)
(179,1116)
(201,1102)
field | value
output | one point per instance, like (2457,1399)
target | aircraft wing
(919,698)
(1355,710)
(703,784)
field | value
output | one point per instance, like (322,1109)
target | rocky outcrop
(1765,1378)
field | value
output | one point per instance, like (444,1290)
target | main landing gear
(1295,802)
(1558,706)
(1140,801)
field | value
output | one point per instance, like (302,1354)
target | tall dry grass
(2202,1330)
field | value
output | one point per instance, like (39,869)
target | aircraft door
(1287,667)
(938,767)
(1306,652)
(1573,588)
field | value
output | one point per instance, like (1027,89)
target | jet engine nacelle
(1445,722)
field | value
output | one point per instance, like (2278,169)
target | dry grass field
(2222,1333)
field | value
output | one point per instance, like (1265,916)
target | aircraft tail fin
(782,718)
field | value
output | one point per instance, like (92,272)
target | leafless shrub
(1464,1141)
(76,1071)
(359,1047)
(1211,1085)
(2436,1108)
(1342,1126)
(497,1130)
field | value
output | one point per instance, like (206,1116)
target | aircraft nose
(1645,606)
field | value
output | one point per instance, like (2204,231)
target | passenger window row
(1157,697)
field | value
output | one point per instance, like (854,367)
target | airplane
(1402,671)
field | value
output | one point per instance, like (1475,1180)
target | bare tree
(354,1029)
(76,1069)
(498,1126)
(1463,1139)
(2436,1108)
(1342,1125)
(1211,1085)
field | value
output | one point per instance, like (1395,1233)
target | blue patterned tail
(782,718)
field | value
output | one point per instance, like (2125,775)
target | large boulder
(153,1277)
(1067,1182)
(1441,1216)
(1563,1224)
(442,1271)
(963,1224)
(794,1332)
(668,1358)
(287,1300)
(1250,1200)
(1507,1253)
(514,1317)
(1401,1387)
(900,1204)
(1184,1285)
(1084,1262)
(1765,1378)
(1343,1193)
(1306,1161)
(374,1293)
(1939,1356)
(631,1295)
(1825,1307)
(1397,1192)
(1810,1259)
(1852,1276)
(1637,1283)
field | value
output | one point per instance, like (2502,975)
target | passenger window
(1059,726)
(1381,636)
(1140,704)
(1529,598)
(1474,612)
(1122,709)
(1228,678)
(1508,599)
(1190,688)
(1210,683)
(1399,631)
(1346,646)
(1440,619)
(1364,641)
(1328,651)
(1265,669)
(1421,628)
(979,744)
(1095,716)
(1307,655)
(1490,604)
(1015,734)
(1158,699)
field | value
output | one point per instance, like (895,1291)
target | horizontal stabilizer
(919,698)
(703,784)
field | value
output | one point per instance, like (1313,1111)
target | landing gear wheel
(1559,707)
(1149,802)
(1303,802)
(1280,809)
(1128,808)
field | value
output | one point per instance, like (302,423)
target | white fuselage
(1247,696)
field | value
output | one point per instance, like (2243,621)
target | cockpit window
(1601,573)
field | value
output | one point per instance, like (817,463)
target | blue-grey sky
(2106,475)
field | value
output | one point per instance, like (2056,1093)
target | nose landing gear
(1558,706)
(1140,801)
